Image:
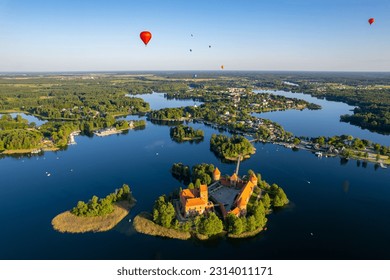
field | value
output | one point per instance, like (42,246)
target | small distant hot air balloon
(222,67)
(190,50)
(145,37)
(371,21)
(209,46)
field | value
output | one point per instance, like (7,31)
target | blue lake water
(324,122)
(157,101)
(30,118)
(337,211)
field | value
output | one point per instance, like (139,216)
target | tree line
(199,174)
(103,206)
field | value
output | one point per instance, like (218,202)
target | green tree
(321,141)
(280,198)
(296,141)
(251,223)
(163,212)
(234,224)
(197,183)
(266,200)
(210,225)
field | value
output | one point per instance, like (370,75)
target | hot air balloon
(371,21)
(209,46)
(222,67)
(145,37)
(190,50)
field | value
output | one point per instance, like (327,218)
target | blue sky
(98,35)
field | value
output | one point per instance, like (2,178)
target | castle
(196,201)
(242,200)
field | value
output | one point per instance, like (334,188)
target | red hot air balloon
(371,21)
(145,37)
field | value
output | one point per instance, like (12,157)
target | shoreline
(30,151)
(112,130)
(326,154)
(248,156)
(187,139)
(143,224)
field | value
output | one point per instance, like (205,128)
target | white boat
(382,165)
(318,154)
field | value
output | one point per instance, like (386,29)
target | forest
(68,103)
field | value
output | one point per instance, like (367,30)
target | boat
(382,165)
(318,154)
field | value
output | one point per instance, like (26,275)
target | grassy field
(143,224)
(67,222)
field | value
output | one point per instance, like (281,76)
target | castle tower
(233,180)
(253,179)
(216,174)
(203,193)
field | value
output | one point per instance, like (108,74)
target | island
(96,215)
(231,206)
(183,133)
(231,148)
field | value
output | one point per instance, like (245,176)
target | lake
(324,122)
(30,118)
(157,101)
(338,210)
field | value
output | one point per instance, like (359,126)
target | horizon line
(171,70)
